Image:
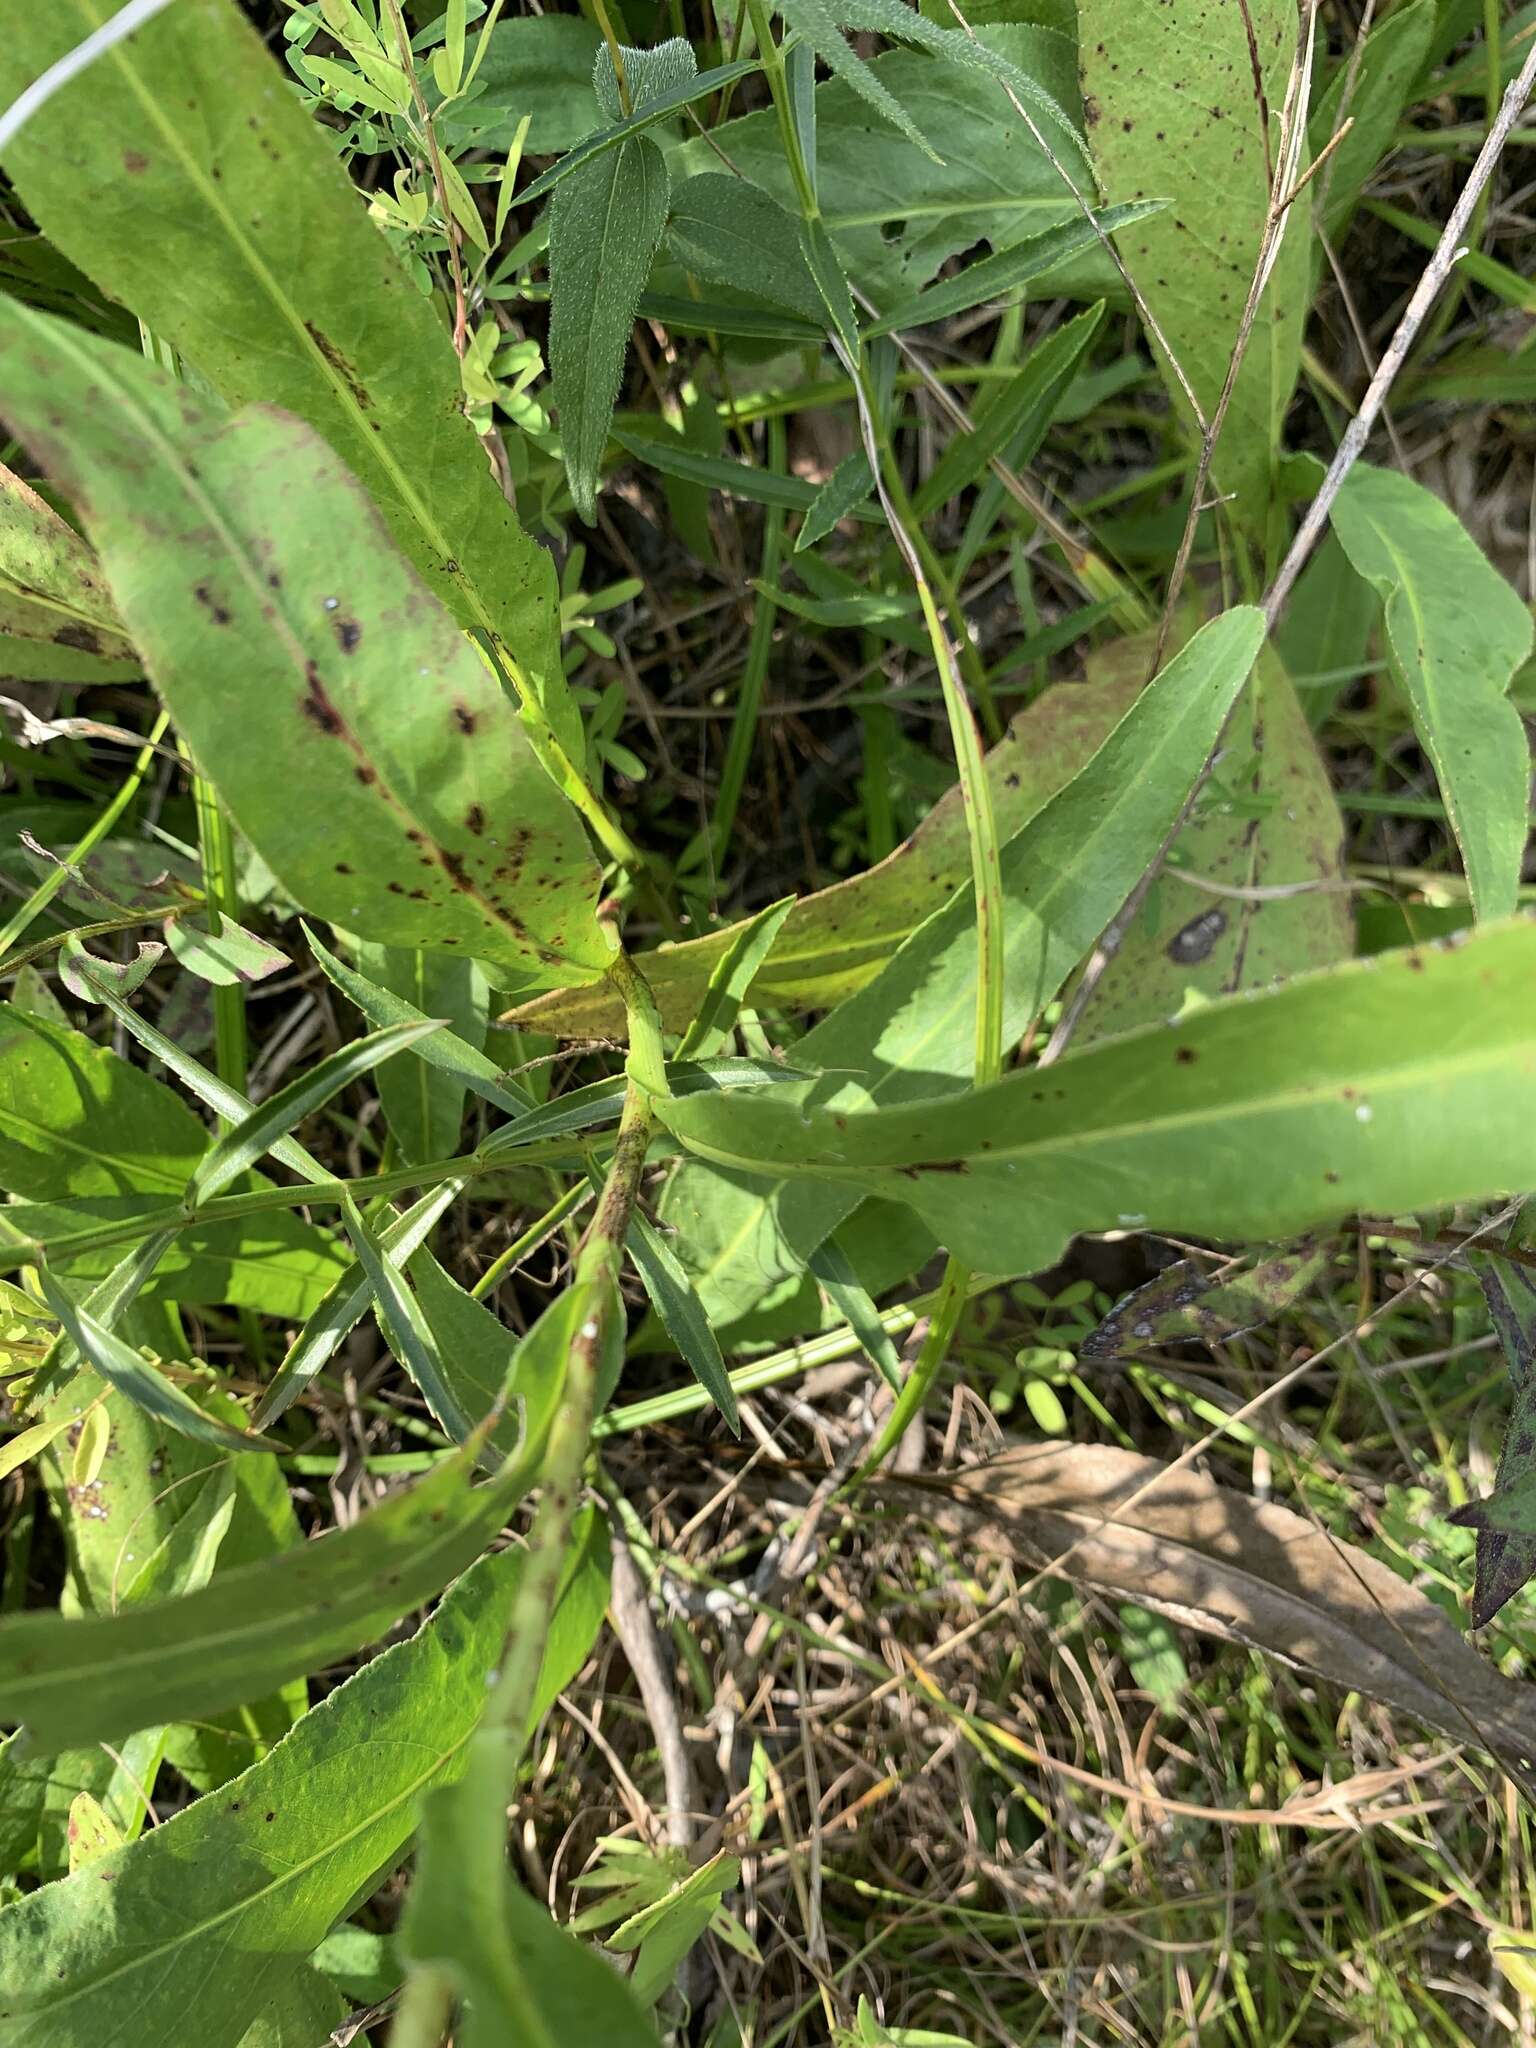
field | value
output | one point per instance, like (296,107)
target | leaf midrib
(1414,1076)
(238,553)
(209,194)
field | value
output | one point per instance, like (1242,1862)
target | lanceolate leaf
(1253,1572)
(347,1302)
(1400,1083)
(605,221)
(682,1314)
(132,1375)
(669,101)
(205,1912)
(909,1033)
(458,1061)
(280,626)
(1369,89)
(180,173)
(1017,417)
(715,1019)
(274,1119)
(1456,633)
(99,1677)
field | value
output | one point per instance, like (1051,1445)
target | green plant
(274,363)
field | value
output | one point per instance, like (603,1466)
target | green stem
(557,763)
(510,1706)
(615,53)
(954,1290)
(789,1364)
(955,671)
(217,846)
(19,1251)
(738,751)
(647,1062)
(530,1239)
(975,790)
(778,86)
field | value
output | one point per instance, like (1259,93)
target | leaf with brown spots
(1413,1085)
(1190,1304)
(182,175)
(351,772)
(1267,821)
(1189,94)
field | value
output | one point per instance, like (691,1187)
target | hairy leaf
(684,88)
(734,234)
(605,222)
(1000,275)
